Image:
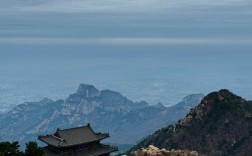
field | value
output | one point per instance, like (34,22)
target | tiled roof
(73,136)
(90,151)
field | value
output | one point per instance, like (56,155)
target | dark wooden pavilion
(78,141)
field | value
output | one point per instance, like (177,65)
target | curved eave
(63,146)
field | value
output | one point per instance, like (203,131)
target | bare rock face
(219,125)
(154,151)
(106,110)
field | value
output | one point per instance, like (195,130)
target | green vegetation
(219,125)
(12,149)
(8,148)
(33,149)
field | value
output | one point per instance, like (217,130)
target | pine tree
(10,149)
(32,149)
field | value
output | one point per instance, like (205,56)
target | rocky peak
(112,98)
(219,125)
(189,101)
(159,106)
(110,93)
(83,92)
(45,100)
(193,97)
(108,110)
(222,101)
(87,90)
(222,95)
(226,93)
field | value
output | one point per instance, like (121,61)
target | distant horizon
(153,51)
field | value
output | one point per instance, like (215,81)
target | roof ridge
(74,136)
(88,125)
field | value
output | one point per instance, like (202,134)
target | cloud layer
(112,5)
(124,41)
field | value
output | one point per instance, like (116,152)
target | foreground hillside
(106,111)
(220,125)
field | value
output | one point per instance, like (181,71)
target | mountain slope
(106,110)
(220,125)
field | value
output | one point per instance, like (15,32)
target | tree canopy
(12,149)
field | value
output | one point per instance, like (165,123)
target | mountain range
(220,125)
(106,110)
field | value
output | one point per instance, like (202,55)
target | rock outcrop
(219,125)
(154,151)
(110,111)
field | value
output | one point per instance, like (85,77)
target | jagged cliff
(106,110)
(220,125)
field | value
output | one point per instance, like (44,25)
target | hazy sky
(165,21)
(153,50)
